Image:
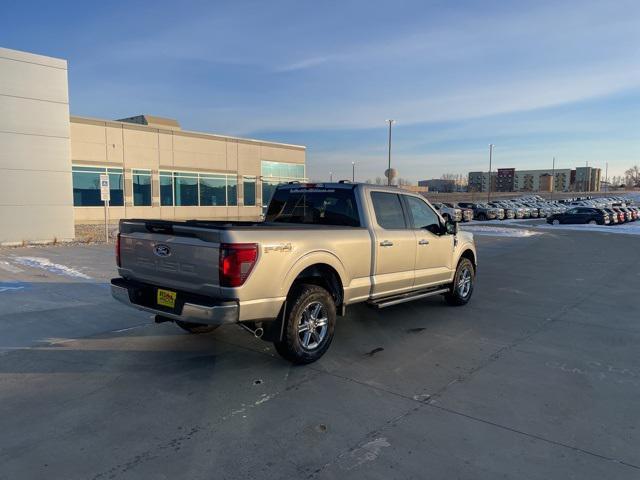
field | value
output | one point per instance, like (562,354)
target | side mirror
(451,227)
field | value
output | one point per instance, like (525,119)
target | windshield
(322,206)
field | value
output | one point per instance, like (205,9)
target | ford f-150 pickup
(320,248)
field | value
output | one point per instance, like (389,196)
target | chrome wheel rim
(556,222)
(464,282)
(312,325)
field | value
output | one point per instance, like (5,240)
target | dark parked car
(580,215)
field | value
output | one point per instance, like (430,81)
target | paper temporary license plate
(167,298)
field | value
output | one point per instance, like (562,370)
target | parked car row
(618,209)
(596,216)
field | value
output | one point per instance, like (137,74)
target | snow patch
(625,228)
(6,266)
(499,231)
(46,264)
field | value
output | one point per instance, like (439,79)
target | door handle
(386,243)
(423,242)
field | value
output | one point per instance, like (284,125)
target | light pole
(390,122)
(330,177)
(491,145)
(353,172)
(606,177)
(553,177)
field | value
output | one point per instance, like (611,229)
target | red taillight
(118,263)
(236,262)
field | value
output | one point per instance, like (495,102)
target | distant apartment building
(546,180)
(587,179)
(505,179)
(438,185)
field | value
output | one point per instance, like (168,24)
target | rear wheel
(463,282)
(556,222)
(308,326)
(592,222)
(196,327)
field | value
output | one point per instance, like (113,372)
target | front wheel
(196,327)
(463,282)
(592,222)
(308,325)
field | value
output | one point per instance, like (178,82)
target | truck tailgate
(186,263)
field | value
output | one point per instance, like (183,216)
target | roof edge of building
(135,126)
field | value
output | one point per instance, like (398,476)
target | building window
(249,189)
(166,189)
(191,189)
(142,188)
(275,173)
(212,190)
(185,189)
(232,190)
(86,186)
(268,188)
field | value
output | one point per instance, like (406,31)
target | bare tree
(379,181)
(404,181)
(632,176)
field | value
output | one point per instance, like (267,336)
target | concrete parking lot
(538,377)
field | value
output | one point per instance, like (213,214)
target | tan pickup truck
(321,248)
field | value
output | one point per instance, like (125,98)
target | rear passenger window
(388,210)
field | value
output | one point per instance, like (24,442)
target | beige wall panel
(96,214)
(143,212)
(199,145)
(45,223)
(115,154)
(33,152)
(232,155)
(84,132)
(167,213)
(28,187)
(22,79)
(199,161)
(248,159)
(165,141)
(139,138)
(166,159)
(89,152)
(114,136)
(140,157)
(26,116)
(280,154)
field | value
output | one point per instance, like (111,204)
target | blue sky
(537,79)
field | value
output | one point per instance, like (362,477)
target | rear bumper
(205,312)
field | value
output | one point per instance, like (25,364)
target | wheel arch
(322,269)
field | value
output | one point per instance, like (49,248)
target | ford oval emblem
(162,250)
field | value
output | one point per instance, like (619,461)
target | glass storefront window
(213,190)
(232,190)
(186,189)
(268,187)
(86,186)
(142,188)
(249,188)
(166,189)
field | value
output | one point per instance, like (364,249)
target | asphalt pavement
(538,377)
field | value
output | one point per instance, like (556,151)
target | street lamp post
(606,176)
(491,145)
(553,177)
(390,122)
(330,177)
(353,171)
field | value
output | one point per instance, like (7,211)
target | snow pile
(46,264)
(499,231)
(625,228)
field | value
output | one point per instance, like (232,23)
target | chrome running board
(406,297)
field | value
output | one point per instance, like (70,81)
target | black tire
(195,327)
(482,217)
(456,295)
(300,305)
